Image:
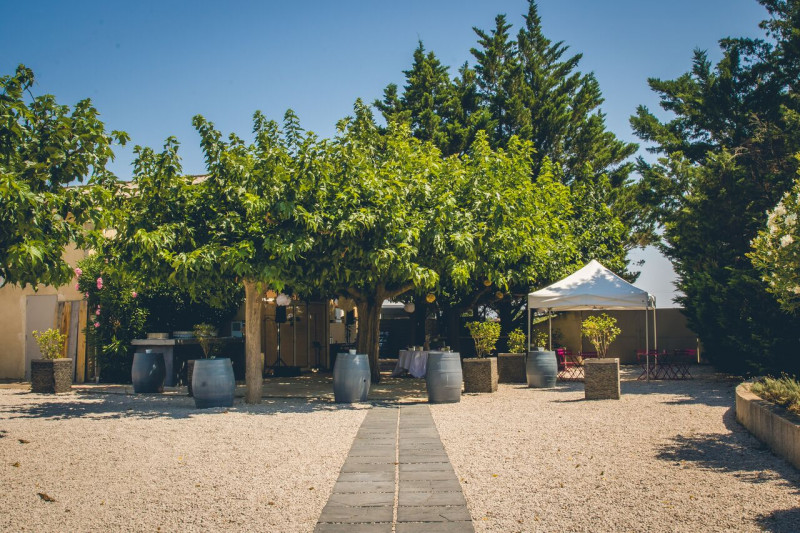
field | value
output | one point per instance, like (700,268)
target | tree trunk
(506,313)
(369,313)
(419,320)
(452,324)
(254,373)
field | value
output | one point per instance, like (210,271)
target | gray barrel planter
(213,384)
(148,372)
(541,369)
(443,377)
(351,378)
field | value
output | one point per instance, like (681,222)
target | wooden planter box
(51,375)
(511,368)
(480,374)
(601,379)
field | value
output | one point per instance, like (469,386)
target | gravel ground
(668,456)
(150,463)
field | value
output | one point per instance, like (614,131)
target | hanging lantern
(270,294)
(283,300)
(487,282)
(498,295)
(409,307)
(430,298)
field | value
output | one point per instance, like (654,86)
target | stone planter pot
(541,369)
(601,379)
(511,367)
(51,375)
(480,374)
(213,384)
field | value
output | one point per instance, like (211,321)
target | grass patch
(783,391)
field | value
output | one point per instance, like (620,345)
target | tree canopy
(726,157)
(46,150)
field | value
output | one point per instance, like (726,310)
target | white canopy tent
(593,287)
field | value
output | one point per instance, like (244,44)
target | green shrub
(516,341)
(485,335)
(783,391)
(51,343)
(206,335)
(540,338)
(601,332)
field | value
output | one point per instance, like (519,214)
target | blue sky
(150,66)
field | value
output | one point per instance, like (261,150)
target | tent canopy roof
(592,287)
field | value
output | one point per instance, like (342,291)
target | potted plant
(480,372)
(511,365)
(601,332)
(601,376)
(212,383)
(52,373)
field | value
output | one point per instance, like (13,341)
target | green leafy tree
(726,157)
(495,232)
(368,208)
(44,148)
(233,226)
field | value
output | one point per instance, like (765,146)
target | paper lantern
(409,307)
(283,300)
(430,298)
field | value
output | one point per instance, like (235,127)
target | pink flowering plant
(115,316)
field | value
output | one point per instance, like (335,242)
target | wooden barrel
(148,371)
(212,383)
(541,369)
(351,378)
(443,377)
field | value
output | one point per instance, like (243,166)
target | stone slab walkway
(396,478)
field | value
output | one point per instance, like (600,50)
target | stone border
(771,424)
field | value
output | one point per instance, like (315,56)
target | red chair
(568,369)
(681,361)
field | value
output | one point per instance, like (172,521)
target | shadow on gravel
(713,393)
(783,521)
(738,454)
(156,406)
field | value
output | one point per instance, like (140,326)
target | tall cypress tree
(727,156)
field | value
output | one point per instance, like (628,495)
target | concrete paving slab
(383,527)
(435,527)
(438,513)
(342,487)
(368,499)
(411,464)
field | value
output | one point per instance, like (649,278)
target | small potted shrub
(601,375)
(601,332)
(480,372)
(52,373)
(511,365)
(211,383)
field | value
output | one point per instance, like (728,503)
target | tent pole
(647,341)
(528,348)
(550,326)
(655,330)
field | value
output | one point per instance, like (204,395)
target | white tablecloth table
(412,361)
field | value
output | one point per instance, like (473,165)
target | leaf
(46,497)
